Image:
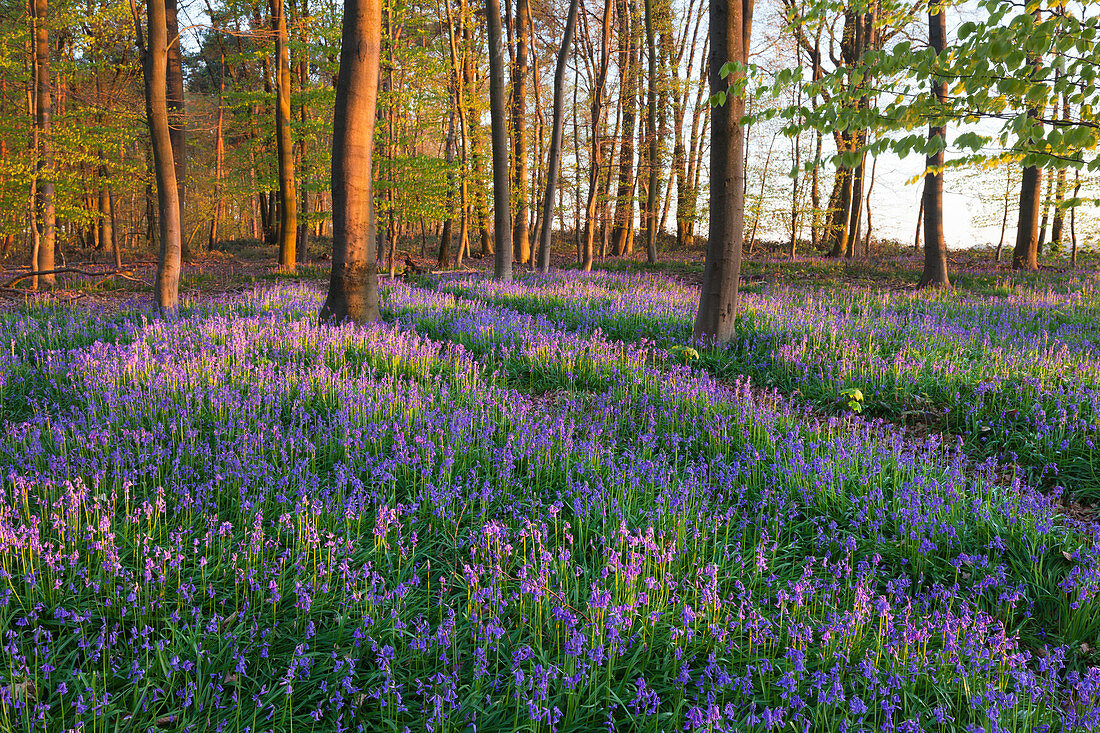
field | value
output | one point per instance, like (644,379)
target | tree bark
(520,242)
(284,145)
(935,248)
(502,209)
(596,159)
(45,213)
(155,62)
(652,158)
(553,163)
(176,117)
(353,285)
(730,33)
(628,93)
(219,155)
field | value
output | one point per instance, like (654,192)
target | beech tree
(155,65)
(553,163)
(353,284)
(502,209)
(935,247)
(730,35)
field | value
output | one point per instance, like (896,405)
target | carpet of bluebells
(532,507)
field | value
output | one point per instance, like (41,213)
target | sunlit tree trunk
(502,209)
(730,32)
(353,285)
(45,214)
(628,94)
(520,242)
(155,64)
(177,120)
(284,145)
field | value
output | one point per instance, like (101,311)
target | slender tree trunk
(520,242)
(730,31)
(353,286)
(1004,220)
(1058,225)
(553,163)
(284,145)
(815,195)
(45,215)
(867,206)
(219,156)
(935,248)
(920,223)
(176,117)
(445,236)
(1073,218)
(502,209)
(628,73)
(596,160)
(301,244)
(1046,211)
(651,133)
(155,63)
(115,247)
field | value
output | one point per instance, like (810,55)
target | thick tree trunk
(176,117)
(502,209)
(284,145)
(45,213)
(353,285)
(730,31)
(155,63)
(553,163)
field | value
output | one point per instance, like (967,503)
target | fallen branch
(127,272)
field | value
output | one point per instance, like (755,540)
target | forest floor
(539,505)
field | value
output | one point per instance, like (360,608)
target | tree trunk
(45,214)
(353,285)
(651,133)
(596,159)
(553,163)
(935,248)
(730,31)
(502,209)
(1073,218)
(219,156)
(1057,227)
(155,63)
(628,74)
(1025,255)
(445,236)
(176,117)
(1046,211)
(301,245)
(284,145)
(520,242)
